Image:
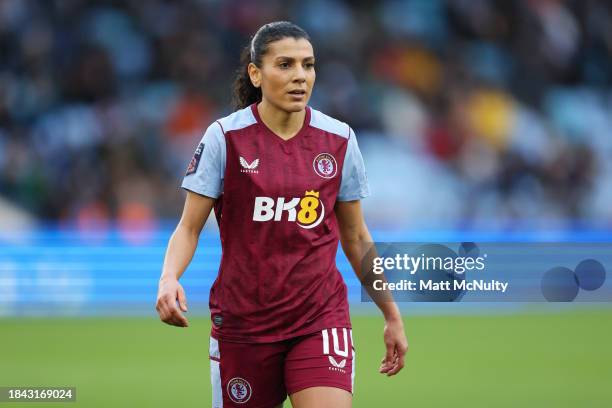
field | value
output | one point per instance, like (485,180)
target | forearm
(359,250)
(180,251)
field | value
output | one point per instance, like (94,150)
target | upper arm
(353,187)
(196,211)
(354,183)
(206,170)
(204,179)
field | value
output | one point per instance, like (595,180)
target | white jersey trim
(215,374)
(353,363)
(328,124)
(238,120)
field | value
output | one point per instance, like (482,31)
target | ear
(254,74)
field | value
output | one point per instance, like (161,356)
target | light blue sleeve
(354,184)
(207,167)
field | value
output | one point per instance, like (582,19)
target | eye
(284,65)
(310,65)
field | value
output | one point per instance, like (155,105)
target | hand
(396,344)
(169,291)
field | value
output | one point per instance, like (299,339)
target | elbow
(189,229)
(357,233)
(354,237)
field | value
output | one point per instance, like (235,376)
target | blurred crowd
(491,109)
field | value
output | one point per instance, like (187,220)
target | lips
(298,92)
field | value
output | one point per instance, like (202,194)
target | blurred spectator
(507,105)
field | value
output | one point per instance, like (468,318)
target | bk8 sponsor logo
(310,214)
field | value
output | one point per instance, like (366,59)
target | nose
(300,74)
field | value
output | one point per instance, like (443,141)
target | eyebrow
(293,59)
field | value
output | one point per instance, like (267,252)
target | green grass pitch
(522,360)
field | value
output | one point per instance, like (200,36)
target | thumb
(182,299)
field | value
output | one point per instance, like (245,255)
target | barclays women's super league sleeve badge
(195,160)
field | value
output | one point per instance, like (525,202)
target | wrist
(167,278)
(392,314)
(394,319)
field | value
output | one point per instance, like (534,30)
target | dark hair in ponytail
(244,93)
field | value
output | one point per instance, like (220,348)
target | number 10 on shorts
(339,349)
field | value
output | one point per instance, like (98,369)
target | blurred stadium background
(478,120)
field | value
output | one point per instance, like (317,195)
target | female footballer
(285,182)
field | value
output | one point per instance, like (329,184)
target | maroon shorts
(260,375)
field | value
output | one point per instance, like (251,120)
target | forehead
(299,48)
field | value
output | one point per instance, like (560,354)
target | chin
(296,106)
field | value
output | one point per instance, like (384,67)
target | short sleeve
(354,184)
(207,167)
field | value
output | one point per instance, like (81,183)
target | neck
(282,123)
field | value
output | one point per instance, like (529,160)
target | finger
(159,306)
(173,320)
(182,321)
(389,363)
(170,304)
(385,366)
(175,316)
(179,319)
(182,299)
(162,311)
(398,363)
(169,311)
(397,366)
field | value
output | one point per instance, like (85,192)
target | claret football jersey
(279,235)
